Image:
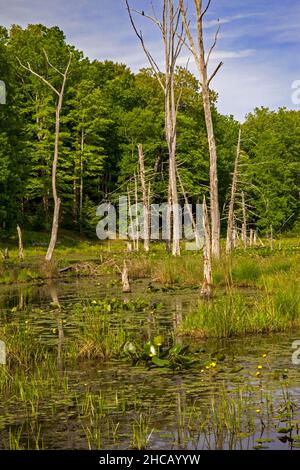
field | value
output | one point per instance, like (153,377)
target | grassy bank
(275,307)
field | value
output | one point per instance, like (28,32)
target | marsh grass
(141,432)
(98,335)
(237,314)
(22,344)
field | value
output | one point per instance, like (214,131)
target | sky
(259,42)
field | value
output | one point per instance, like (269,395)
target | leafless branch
(205,9)
(29,69)
(214,73)
(214,44)
(150,58)
(51,65)
(149,17)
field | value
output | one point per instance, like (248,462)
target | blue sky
(259,42)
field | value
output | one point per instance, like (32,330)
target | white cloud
(221,55)
(228,19)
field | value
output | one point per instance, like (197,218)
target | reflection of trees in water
(177,319)
(52,289)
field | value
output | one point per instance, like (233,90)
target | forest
(181,330)
(107,112)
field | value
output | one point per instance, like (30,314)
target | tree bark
(81,183)
(137,227)
(244,226)
(56,199)
(230,226)
(251,237)
(169,27)
(132,234)
(21,249)
(60,95)
(195,228)
(145,199)
(206,290)
(125,280)
(202,63)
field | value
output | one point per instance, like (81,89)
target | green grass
(238,314)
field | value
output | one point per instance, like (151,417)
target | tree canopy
(108,111)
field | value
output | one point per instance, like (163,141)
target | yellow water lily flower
(264,355)
(258,411)
(259,367)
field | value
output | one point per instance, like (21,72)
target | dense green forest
(108,110)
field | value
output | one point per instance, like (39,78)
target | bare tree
(190,212)
(125,279)
(145,198)
(198,52)
(206,290)
(60,96)
(137,225)
(251,237)
(230,224)
(21,249)
(244,225)
(172,32)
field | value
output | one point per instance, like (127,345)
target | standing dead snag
(255,238)
(125,279)
(206,290)
(190,212)
(132,227)
(230,242)
(201,62)
(251,237)
(172,33)
(145,199)
(5,254)
(60,96)
(244,225)
(137,226)
(21,249)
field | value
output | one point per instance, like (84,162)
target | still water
(251,401)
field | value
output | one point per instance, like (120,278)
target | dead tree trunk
(137,228)
(132,234)
(60,96)
(206,290)
(230,225)
(145,199)
(5,254)
(81,182)
(255,238)
(195,228)
(172,33)
(202,65)
(251,237)
(244,225)
(125,279)
(21,249)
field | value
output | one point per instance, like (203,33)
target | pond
(247,398)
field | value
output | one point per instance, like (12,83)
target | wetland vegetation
(176,325)
(89,367)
